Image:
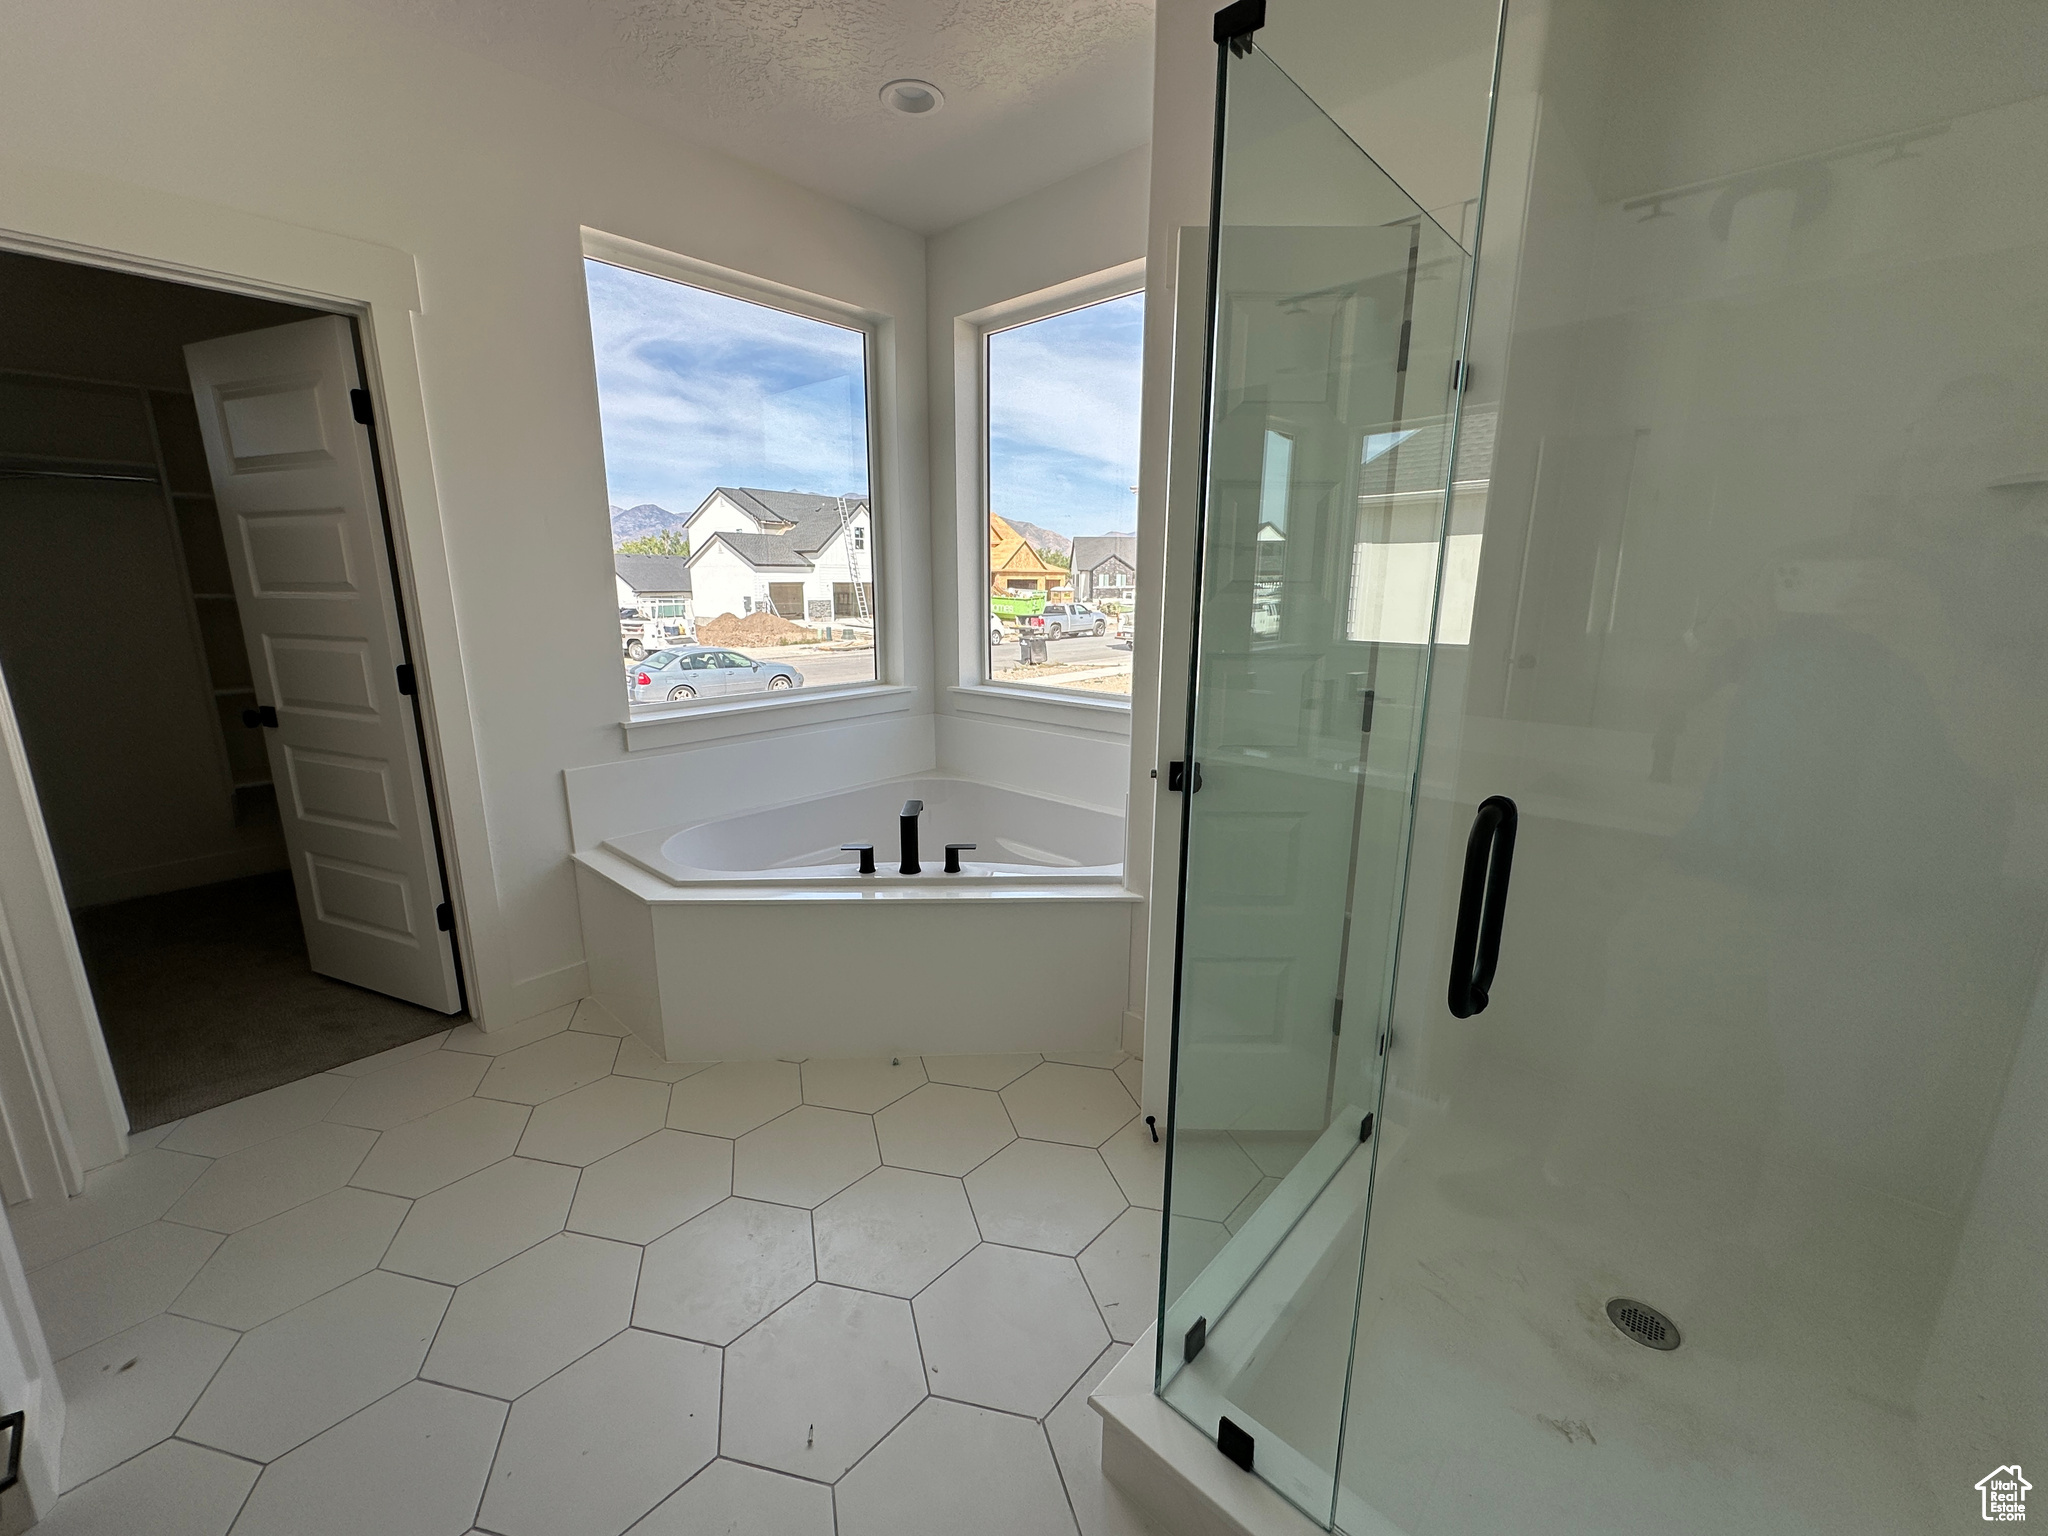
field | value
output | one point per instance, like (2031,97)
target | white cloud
(697,389)
(1064,396)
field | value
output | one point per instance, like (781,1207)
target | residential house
(1106,568)
(1014,566)
(658,586)
(807,557)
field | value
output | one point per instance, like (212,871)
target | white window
(737,442)
(1061,457)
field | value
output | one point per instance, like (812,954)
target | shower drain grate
(1643,1323)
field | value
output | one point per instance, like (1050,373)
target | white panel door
(299,506)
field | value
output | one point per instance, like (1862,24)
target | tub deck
(756,971)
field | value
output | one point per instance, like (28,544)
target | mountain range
(634,522)
(1042,539)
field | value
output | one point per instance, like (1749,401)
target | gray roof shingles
(794,525)
(1092,549)
(653,573)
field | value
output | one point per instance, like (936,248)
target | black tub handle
(1482,904)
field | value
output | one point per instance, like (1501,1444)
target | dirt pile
(754,629)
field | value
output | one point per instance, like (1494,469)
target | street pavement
(832,668)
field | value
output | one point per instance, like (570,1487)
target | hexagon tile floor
(539,1283)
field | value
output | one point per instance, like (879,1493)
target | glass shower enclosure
(1610,1077)
(1338,314)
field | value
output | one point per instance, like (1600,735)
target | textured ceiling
(1035,89)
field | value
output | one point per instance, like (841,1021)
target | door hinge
(1234,1442)
(1383,1042)
(1196,1336)
(405,678)
(261,715)
(1179,780)
(1337,1016)
(1365,1129)
(444,919)
(1461,375)
(1407,333)
(1365,719)
(359,405)
(16,1426)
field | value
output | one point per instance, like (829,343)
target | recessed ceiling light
(913,98)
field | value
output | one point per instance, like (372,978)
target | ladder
(860,591)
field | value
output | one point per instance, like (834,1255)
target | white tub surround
(753,936)
(1018,838)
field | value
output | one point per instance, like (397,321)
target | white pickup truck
(639,634)
(1063,619)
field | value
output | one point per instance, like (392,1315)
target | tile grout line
(632,1324)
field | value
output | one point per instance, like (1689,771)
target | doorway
(191,893)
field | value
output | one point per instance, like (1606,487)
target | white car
(995,630)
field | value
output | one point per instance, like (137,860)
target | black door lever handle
(1482,905)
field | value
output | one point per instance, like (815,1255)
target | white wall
(722,583)
(1062,235)
(1177,214)
(335,120)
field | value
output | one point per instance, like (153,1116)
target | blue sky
(697,390)
(1063,418)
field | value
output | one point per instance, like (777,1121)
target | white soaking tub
(1018,838)
(753,936)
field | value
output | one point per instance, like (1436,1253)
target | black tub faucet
(912,809)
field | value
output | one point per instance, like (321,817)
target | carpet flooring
(206,996)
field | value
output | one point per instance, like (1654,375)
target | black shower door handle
(1482,904)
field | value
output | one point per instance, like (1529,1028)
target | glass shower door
(1729,1213)
(1338,310)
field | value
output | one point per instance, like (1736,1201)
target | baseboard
(174,875)
(549,990)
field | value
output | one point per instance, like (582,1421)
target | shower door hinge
(1337,1016)
(1236,23)
(406,684)
(1365,719)
(1196,1336)
(16,1426)
(1180,779)
(444,917)
(359,405)
(1365,1129)
(1461,375)
(1234,1442)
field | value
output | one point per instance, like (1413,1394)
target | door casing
(96,222)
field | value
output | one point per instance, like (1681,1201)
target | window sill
(763,716)
(1038,706)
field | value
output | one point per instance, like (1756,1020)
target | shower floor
(1490,1393)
